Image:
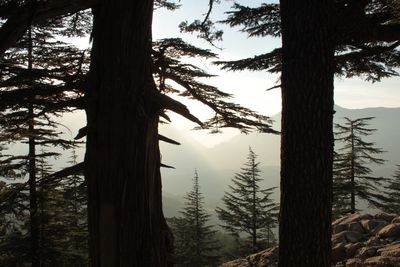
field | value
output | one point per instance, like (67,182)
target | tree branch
(169,103)
(63,173)
(166,166)
(31,14)
(167,140)
(366,51)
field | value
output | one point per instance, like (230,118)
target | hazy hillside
(217,165)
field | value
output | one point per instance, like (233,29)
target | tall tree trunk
(307,134)
(197,216)
(126,224)
(352,175)
(254,215)
(33,202)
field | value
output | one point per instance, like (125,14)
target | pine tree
(392,194)
(125,97)
(75,217)
(249,210)
(63,231)
(27,121)
(51,231)
(340,201)
(352,175)
(39,75)
(14,218)
(195,244)
(364,35)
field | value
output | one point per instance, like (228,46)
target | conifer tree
(392,194)
(351,38)
(14,242)
(249,210)
(352,175)
(195,244)
(14,218)
(52,235)
(340,200)
(131,85)
(39,75)
(75,216)
(62,220)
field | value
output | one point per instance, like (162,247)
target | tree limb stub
(81,133)
(167,140)
(166,166)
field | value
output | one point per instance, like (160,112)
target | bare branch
(167,140)
(167,166)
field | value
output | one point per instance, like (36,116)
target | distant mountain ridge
(217,165)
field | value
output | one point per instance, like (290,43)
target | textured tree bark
(122,163)
(307,135)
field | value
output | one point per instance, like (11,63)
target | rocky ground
(358,240)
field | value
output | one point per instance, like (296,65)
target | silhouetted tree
(368,50)
(249,210)
(195,243)
(74,192)
(34,64)
(124,96)
(353,177)
(341,202)
(365,36)
(392,194)
(124,155)
(307,135)
(14,240)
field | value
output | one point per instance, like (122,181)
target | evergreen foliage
(170,58)
(392,204)
(170,5)
(14,223)
(358,53)
(195,243)
(75,216)
(352,175)
(34,76)
(41,77)
(62,219)
(249,210)
(364,35)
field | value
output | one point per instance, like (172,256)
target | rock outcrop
(358,240)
